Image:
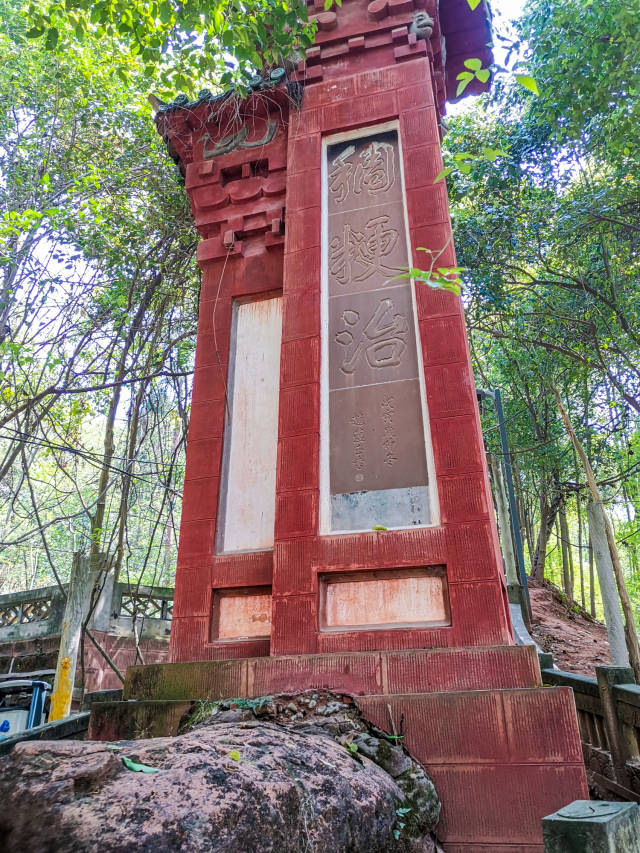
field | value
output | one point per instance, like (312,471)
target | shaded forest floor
(577,643)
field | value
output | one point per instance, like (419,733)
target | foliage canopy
(183,45)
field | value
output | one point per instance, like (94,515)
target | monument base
(502,750)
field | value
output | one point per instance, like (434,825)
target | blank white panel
(248,494)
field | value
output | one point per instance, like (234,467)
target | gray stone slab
(520,633)
(377,452)
(388,508)
(586,826)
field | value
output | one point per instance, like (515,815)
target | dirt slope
(576,643)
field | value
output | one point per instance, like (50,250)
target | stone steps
(356,673)
(111,721)
(502,750)
(500,759)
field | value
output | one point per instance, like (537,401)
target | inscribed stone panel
(363,172)
(373,338)
(377,454)
(367,248)
(379,440)
(384,599)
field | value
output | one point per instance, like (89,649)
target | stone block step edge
(354,673)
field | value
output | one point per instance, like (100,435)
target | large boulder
(275,776)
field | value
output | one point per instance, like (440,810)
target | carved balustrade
(608,709)
(38,613)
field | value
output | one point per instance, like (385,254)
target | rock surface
(273,775)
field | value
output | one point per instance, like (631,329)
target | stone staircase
(503,750)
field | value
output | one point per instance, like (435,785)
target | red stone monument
(337,525)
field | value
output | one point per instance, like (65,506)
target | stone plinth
(502,750)
(593,827)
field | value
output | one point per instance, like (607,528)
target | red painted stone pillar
(337,527)
(324,202)
(238,200)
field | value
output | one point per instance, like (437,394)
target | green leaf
(98,13)
(483,75)
(234,755)
(465,77)
(35,32)
(52,39)
(381,526)
(443,174)
(492,154)
(218,19)
(446,285)
(138,768)
(473,64)
(165,12)
(473,4)
(528,83)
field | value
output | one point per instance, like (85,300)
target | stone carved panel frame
(384,599)
(371,358)
(241,613)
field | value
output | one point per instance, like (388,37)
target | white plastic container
(17,720)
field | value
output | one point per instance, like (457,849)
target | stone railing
(30,614)
(608,709)
(37,613)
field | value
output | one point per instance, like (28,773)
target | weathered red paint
(259,213)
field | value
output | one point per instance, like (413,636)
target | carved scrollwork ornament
(422,25)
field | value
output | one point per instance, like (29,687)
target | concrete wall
(30,623)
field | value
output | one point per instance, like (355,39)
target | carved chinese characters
(377,455)
(356,255)
(373,337)
(371,172)
(376,446)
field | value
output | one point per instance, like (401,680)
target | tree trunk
(608,591)
(567,580)
(631,633)
(548,514)
(630,630)
(633,554)
(523,509)
(76,608)
(504,519)
(97,521)
(580,555)
(592,583)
